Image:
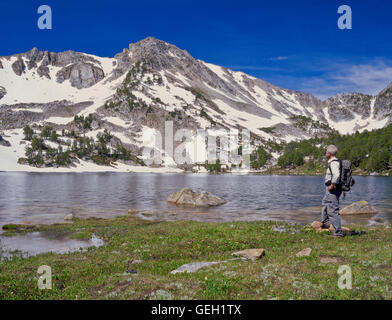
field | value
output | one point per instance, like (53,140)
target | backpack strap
(340,169)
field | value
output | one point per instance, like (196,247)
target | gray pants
(330,211)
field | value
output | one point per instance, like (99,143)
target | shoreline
(365,220)
(163,170)
(301,216)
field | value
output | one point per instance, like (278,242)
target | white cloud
(368,78)
(279,58)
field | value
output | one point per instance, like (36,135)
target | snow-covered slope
(153,81)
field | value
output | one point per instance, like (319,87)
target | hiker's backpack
(346,180)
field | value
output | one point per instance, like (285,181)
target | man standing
(330,212)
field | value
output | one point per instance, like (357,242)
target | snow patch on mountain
(118,122)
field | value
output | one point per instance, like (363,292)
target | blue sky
(293,44)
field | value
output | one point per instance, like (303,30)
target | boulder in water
(187,196)
(360,207)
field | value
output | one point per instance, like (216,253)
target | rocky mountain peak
(159,53)
(32,53)
(151,45)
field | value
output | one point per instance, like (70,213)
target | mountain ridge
(151,81)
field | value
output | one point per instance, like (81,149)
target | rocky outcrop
(383,104)
(18,66)
(83,70)
(123,63)
(43,71)
(347,106)
(60,59)
(189,197)
(3,92)
(19,115)
(360,207)
(81,75)
(4,142)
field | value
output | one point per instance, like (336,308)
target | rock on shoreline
(69,217)
(318,226)
(360,207)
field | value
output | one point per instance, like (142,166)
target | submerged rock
(360,207)
(69,217)
(187,196)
